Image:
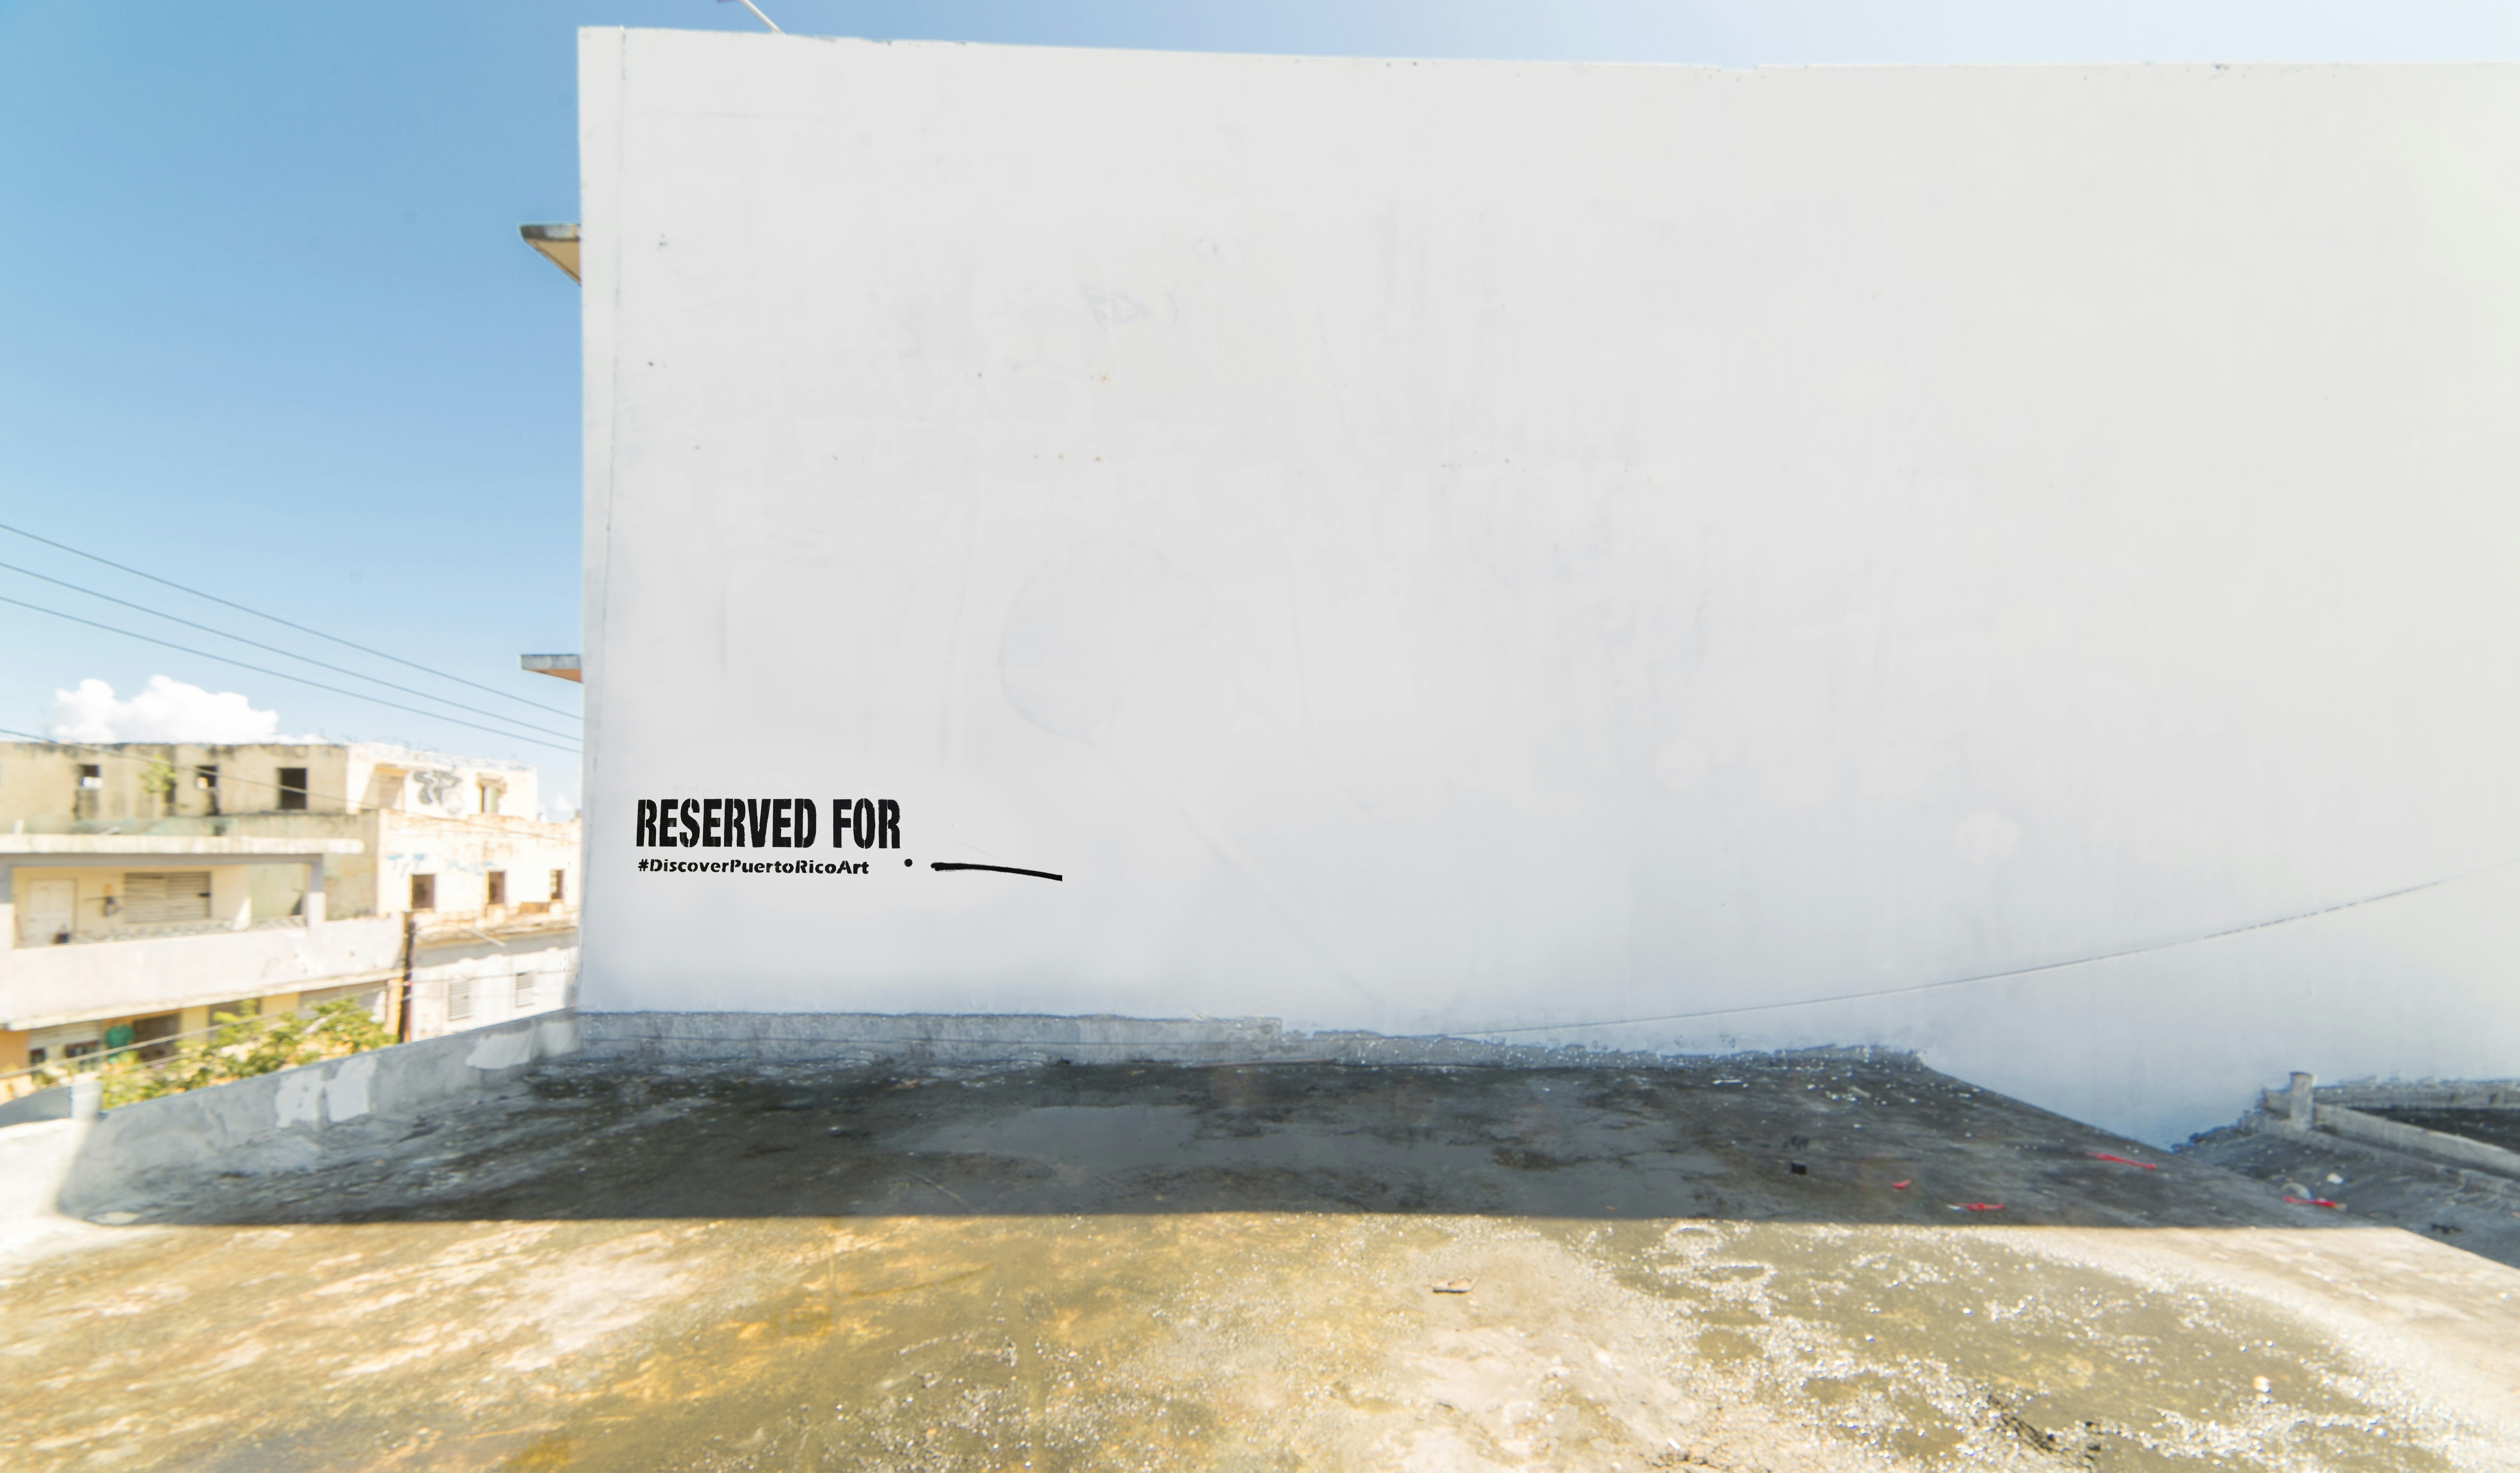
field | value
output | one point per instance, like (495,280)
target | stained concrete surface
(1252,1267)
(2496,1128)
(2474,1210)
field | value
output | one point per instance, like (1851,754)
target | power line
(350,805)
(301,679)
(276,618)
(1961,982)
(273,647)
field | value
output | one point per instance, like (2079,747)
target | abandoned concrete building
(145,888)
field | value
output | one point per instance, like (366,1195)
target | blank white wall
(1457,546)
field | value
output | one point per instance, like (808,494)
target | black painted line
(1002,869)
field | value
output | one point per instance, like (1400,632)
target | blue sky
(269,331)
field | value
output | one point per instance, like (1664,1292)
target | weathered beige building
(148,886)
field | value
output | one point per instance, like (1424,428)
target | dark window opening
(559,886)
(424,892)
(498,879)
(91,775)
(153,1033)
(293,788)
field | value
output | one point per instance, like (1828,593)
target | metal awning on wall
(558,244)
(558,666)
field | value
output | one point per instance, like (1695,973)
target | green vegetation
(243,1046)
(158,778)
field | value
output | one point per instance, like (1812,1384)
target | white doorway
(49,912)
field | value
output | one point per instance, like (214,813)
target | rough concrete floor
(2469,1209)
(1263,1268)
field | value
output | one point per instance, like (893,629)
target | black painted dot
(905,864)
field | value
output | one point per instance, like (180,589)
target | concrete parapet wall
(276,1121)
(2448,1095)
(42,1104)
(941,1039)
(712,1038)
(2353,1125)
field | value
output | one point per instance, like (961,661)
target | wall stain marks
(1158,1266)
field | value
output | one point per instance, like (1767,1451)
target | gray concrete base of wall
(856,1038)
(280,1121)
(301,1118)
(2454,1150)
(35,1158)
(2428,1094)
(2333,1112)
(43,1104)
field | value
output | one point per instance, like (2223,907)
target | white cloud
(167,710)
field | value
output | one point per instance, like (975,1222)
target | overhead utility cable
(273,647)
(348,805)
(276,618)
(2050,966)
(301,679)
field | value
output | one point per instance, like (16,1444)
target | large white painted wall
(1469,547)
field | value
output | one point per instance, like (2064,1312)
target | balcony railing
(151,974)
(114,931)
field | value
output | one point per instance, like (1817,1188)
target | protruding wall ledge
(1037,1038)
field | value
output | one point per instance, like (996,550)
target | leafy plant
(243,1046)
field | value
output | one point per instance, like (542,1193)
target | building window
(492,795)
(459,999)
(525,996)
(91,775)
(156,1033)
(205,779)
(293,790)
(498,879)
(166,898)
(424,892)
(559,886)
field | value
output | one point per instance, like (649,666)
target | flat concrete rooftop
(1791,1263)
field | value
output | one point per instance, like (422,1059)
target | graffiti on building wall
(437,788)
